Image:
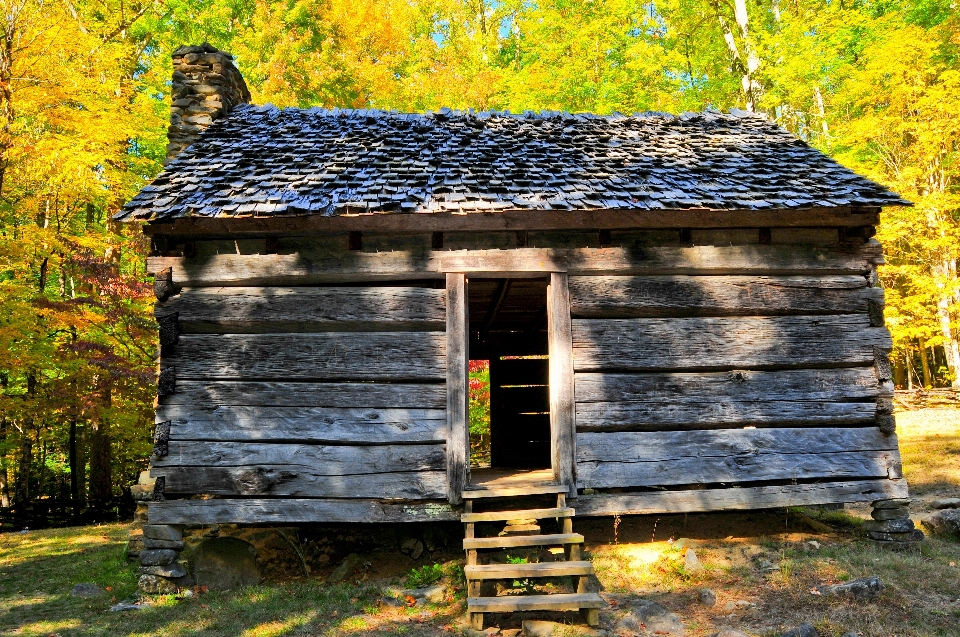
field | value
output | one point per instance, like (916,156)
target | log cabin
(681,313)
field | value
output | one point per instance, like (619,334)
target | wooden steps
(571,566)
(529,514)
(513,603)
(515,541)
(526,571)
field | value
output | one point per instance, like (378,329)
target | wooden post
(458,396)
(562,415)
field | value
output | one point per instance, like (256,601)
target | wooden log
(364,395)
(512,220)
(408,356)
(644,296)
(242,310)
(330,460)
(654,401)
(665,458)
(725,343)
(295,511)
(741,499)
(294,269)
(301,482)
(458,396)
(317,425)
(562,408)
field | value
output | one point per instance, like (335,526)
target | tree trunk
(75,478)
(21,493)
(910,371)
(101,473)
(4,476)
(925,366)
(951,349)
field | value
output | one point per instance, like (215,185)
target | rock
(86,589)
(224,563)
(387,600)
(163,532)
(945,503)
(125,606)
(889,526)
(150,543)
(142,492)
(803,630)
(892,503)
(537,628)
(433,594)
(707,597)
(913,536)
(890,514)
(511,632)
(767,566)
(945,522)
(170,570)
(408,544)
(154,585)
(692,562)
(348,566)
(730,632)
(653,618)
(861,590)
(157,557)
(417,550)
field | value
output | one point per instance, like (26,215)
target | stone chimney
(206,86)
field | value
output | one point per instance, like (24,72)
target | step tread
(543,569)
(478,491)
(559,601)
(528,514)
(509,541)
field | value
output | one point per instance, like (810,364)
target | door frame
(561,381)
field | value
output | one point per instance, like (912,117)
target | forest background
(84,99)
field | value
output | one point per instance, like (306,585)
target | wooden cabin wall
(704,359)
(305,392)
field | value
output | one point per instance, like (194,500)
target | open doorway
(510,371)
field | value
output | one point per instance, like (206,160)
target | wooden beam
(210,395)
(562,408)
(295,510)
(301,482)
(410,356)
(502,291)
(242,310)
(740,499)
(650,296)
(668,458)
(652,344)
(723,400)
(314,425)
(458,396)
(513,220)
(355,267)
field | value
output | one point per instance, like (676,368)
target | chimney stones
(206,87)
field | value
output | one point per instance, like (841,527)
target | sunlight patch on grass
(930,448)
(45,628)
(278,628)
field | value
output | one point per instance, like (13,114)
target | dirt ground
(762,566)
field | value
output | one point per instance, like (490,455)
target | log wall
(310,385)
(305,392)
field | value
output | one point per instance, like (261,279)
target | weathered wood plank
(243,310)
(458,397)
(703,343)
(514,220)
(652,401)
(635,459)
(302,482)
(742,499)
(563,442)
(295,510)
(294,269)
(644,296)
(308,357)
(330,460)
(318,425)
(365,395)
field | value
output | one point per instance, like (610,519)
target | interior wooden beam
(502,292)
(514,220)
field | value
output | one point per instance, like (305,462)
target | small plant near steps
(520,521)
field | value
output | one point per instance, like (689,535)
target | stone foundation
(891,525)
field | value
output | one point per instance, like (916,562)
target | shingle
(315,161)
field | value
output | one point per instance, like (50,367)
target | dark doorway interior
(508,323)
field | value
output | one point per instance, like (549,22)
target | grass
(762,566)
